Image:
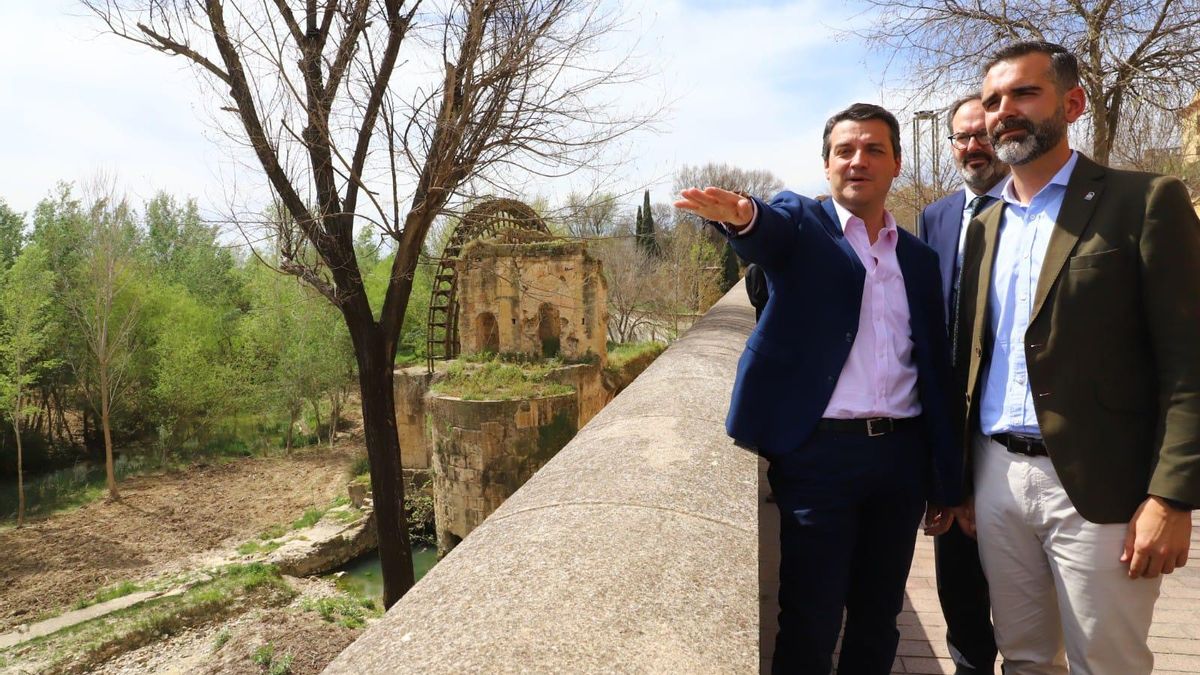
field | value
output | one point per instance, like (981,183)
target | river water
(363,575)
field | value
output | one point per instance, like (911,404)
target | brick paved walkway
(1174,636)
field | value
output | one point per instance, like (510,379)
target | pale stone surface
(328,544)
(484,450)
(410,385)
(513,297)
(634,550)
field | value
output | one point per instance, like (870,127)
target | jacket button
(849,337)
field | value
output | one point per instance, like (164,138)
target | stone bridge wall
(634,550)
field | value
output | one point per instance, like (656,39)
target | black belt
(874,426)
(1022,445)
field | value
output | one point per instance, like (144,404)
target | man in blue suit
(962,588)
(843,387)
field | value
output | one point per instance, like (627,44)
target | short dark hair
(861,112)
(1064,68)
(953,108)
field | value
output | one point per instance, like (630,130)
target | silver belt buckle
(871,426)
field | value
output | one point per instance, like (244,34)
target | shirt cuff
(1176,505)
(745,229)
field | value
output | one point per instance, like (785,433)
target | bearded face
(1019,140)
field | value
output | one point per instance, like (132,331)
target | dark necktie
(976,205)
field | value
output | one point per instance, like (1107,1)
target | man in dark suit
(1081,292)
(842,387)
(962,588)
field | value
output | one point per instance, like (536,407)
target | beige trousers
(1059,591)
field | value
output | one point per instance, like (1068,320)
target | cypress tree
(729,267)
(646,239)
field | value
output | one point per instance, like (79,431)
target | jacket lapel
(829,219)
(1079,203)
(978,263)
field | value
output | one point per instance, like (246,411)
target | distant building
(1190,139)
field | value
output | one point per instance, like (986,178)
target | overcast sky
(749,84)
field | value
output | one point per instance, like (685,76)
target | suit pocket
(1091,261)
(769,349)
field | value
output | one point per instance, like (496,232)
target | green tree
(24,303)
(12,234)
(646,236)
(185,250)
(59,224)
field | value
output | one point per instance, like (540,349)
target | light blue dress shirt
(1007,403)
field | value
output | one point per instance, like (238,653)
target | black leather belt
(874,426)
(1022,445)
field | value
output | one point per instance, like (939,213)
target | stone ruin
(530,293)
(527,295)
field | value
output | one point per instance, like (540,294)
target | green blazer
(1113,346)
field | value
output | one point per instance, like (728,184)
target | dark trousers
(963,594)
(849,510)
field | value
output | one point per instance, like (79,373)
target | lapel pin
(1088,196)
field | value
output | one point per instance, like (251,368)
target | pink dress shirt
(879,378)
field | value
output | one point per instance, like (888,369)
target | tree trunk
(383,451)
(108,445)
(316,404)
(335,413)
(20,467)
(287,445)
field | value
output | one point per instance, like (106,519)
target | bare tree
(100,300)
(631,287)
(491,90)
(588,216)
(1132,53)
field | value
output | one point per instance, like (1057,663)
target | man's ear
(1074,103)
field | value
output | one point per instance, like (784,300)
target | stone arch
(487,332)
(549,331)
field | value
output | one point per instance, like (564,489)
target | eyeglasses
(961,141)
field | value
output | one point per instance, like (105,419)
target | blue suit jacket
(795,355)
(939,227)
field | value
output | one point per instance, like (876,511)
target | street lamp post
(918,117)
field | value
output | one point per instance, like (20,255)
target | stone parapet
(634,550)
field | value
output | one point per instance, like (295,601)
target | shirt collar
(997,191)
(845,217)
(1061,178)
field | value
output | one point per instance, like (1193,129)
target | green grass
(80,647)
(281,667)
(310,518)
(344,611)
(110,593)
(254,547)
(273,532)
(621,354)
(264,655)
(494,380)
(221,639)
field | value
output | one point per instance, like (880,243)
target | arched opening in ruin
(487,333)
(549,330)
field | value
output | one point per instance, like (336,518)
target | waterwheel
(484,220)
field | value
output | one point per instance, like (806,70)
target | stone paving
(1174,635)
